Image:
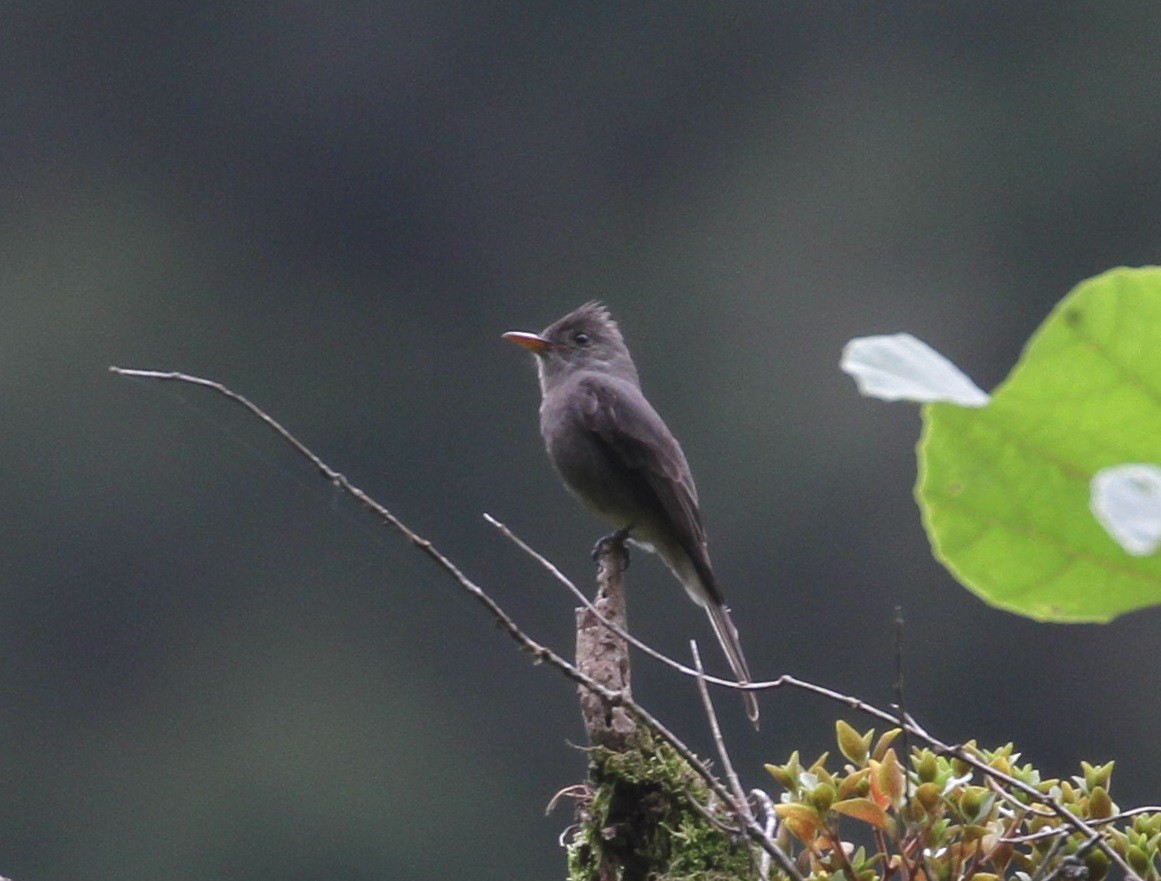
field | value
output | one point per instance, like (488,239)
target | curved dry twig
(716,732)
(580,596)
(540,652)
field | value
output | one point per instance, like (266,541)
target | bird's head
(585,340)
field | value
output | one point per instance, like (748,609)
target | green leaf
(863,809)
(1004,489)
(851,744)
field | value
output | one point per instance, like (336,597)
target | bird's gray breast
(587,463)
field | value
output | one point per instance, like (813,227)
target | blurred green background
(216,666)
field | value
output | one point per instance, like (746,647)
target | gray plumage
(616,454)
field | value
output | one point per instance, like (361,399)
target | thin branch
(338,479)
(540,652)
(705,813)
(741,805)
(1042,869)
(786,680)
(1016,803)
(741,809)
(579,594)
(1131,812)
(769,829)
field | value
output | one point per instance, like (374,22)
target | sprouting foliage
(941,819)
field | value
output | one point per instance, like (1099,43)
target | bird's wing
(637,439)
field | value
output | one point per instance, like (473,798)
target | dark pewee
(620,459)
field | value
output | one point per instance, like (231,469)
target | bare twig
(672,663)
(1016,803)
(1131,812)
(579,594)
(741,806)
(540,652)
(715,821)
(769,828)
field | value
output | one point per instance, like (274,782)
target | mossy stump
(636,817)
(637,822)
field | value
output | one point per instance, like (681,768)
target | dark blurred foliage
(215,666)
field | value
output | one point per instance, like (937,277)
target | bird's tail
(727,635)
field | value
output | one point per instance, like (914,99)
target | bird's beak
(533,342)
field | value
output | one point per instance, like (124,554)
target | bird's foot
(614,542)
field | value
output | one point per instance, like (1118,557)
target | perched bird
(620,459)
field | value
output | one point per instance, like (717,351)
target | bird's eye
(581,338)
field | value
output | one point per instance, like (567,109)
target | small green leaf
(929,795)
(1100,806)
(784,774)
(856,784)
(1005,489)
(862,809)
(1097,864)
(851,744)
(926,765)
(884,743)
(822,797)
(1096,775)
(802,820)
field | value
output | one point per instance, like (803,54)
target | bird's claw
(614,542)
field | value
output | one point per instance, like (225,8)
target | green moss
(638,822)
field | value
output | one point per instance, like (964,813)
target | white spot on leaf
(1126,500)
